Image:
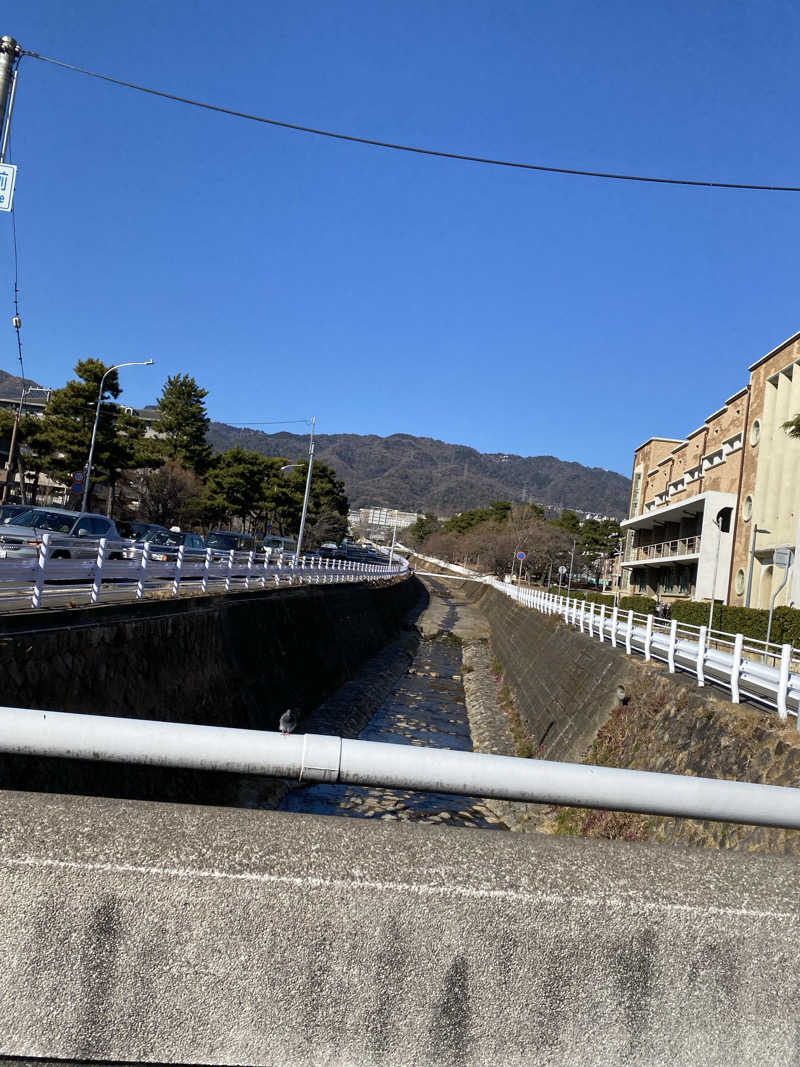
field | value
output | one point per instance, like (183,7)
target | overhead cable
(488,161)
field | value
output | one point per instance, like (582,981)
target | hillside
(11,385)
(422,474)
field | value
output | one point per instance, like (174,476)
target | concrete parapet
(135,931)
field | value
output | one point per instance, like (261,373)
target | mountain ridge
(424,474)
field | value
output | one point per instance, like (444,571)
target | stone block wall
(222,660)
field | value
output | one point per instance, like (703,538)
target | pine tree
(184,423)
(60,440)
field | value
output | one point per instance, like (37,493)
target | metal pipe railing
(312,757)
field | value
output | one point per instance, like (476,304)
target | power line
(412,148)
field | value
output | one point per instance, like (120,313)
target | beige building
(696,502)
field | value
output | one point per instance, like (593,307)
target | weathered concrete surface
(135,931)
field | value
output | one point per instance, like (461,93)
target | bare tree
(170,495)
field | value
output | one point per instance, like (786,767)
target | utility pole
(9,53)
(308,489)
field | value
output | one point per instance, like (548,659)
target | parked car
(164,545)
(225,540)
(8,511)
(138,531)
(21,535)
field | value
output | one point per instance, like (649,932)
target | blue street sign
(520,555)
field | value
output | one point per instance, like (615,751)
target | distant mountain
(422,474)
(11,385)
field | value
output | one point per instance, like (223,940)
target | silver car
(21,535)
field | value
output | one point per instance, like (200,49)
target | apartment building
(716,513)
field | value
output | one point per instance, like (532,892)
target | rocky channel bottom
(425,706)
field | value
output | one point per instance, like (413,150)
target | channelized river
(425,707)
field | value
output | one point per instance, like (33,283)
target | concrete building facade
(716,513)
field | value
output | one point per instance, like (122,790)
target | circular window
(739,582)
(755,433)
(747,509)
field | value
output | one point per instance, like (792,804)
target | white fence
(41,578)
(757,670)
(754,670)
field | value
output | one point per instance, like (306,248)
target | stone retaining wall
(223,660)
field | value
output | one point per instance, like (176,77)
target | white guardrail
(758,670)
(40,576)
(762,671)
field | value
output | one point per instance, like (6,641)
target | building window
(747,509)
(755,433)
(739,582)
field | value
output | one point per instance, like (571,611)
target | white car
(74,534)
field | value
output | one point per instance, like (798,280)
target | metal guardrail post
(736,667)
(614,614)
(206,569)
(701,655)
(143,570)
(178,571)
(648,637)
(230,570)
(36,598)
(629,632)
(583,612)
(673,638)
(783,680)
(98,570)
(249,569)
(591,619)
(602,622)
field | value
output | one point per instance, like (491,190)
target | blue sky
(383,292)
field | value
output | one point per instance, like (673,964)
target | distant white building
(378,523)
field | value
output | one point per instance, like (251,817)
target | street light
(117,366)
(12,446)
(756,531)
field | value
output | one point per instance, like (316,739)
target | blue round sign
(520,555)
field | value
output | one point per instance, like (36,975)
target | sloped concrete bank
(563,686)
(223,660)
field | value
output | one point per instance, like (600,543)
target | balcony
(680,548)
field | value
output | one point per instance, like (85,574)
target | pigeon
(288,721)
(621,695)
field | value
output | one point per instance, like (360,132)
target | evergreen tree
(184,423)
(60,441)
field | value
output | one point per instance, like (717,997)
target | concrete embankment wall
(165,933)
(224,660)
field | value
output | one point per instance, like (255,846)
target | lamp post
(117,366)
(756,531)
(13,445)
(394,539)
